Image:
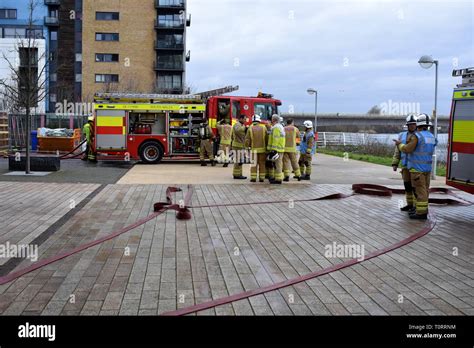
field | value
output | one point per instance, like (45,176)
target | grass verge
(386,161)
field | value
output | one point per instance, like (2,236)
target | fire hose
(184,213)
(72,152)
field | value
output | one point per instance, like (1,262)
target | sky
(357,54)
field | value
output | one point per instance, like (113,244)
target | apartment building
(131,46)
(15,28)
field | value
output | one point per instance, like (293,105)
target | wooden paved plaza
(168,264)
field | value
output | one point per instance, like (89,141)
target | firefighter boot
(253,180)
(306,177)
(213,163)
(275,182)
(407,208)
(226,165)
(286,179)
(203,164)
(240,177)
(419,217)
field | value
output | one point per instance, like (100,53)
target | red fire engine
(150,127)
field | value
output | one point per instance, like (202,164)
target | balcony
(169,66)
(169,4)
(52,2)
(51,21)
(170,46)
(171,25)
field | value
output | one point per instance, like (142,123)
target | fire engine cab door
(111,130)
(462,133)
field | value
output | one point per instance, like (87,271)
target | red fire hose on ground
(184,213)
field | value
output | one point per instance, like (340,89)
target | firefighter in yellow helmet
(307,149)
(400,159)
(290,160)
(88,131)
(225,133)
(256,139)
(239,131)
(276,149)
(206,137)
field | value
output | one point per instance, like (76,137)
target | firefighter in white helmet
(307,150)
(400,160)
(276,149)
(420,150)
(88,131)
(256,139)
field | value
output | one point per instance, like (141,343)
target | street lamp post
(312,91)
(427,62)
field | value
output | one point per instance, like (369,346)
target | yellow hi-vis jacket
(225,131)
(238,135)
(87,130)
(276,140)
(256,138)
(291,134)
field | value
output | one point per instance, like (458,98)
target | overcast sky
(355,53)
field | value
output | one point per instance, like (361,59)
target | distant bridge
(360,122)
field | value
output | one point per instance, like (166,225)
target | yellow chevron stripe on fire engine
(108,121)
(463,131)
(153,107)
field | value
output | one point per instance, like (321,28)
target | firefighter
(239,131)
(206,137)
(400,159)
(256,140)
(225,132)
(420,150)
(88,131)
(276,149)
(289,158)
(307,149)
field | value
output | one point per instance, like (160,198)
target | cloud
(356,53)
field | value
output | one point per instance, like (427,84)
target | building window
(11,33)
(106,57)
(7,14)
(170,21)
(106,37)
(78,77)
(53,77)
(78,57)
(170,81)
(53,36)
(107,16)
(34,33)
(53,98)
(170,41)
(172,61)
(106,78)
(179,3)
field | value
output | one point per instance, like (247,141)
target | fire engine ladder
(161,98)
(467,76)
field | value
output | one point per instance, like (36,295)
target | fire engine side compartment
(460,173)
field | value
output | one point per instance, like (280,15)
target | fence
(373,142)
(17,126)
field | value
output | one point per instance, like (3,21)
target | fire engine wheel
(151,153)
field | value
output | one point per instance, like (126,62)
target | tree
(375,110)
(25,89)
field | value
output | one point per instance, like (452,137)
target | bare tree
(26,87)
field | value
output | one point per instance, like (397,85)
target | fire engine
(150,127)
(460,171)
